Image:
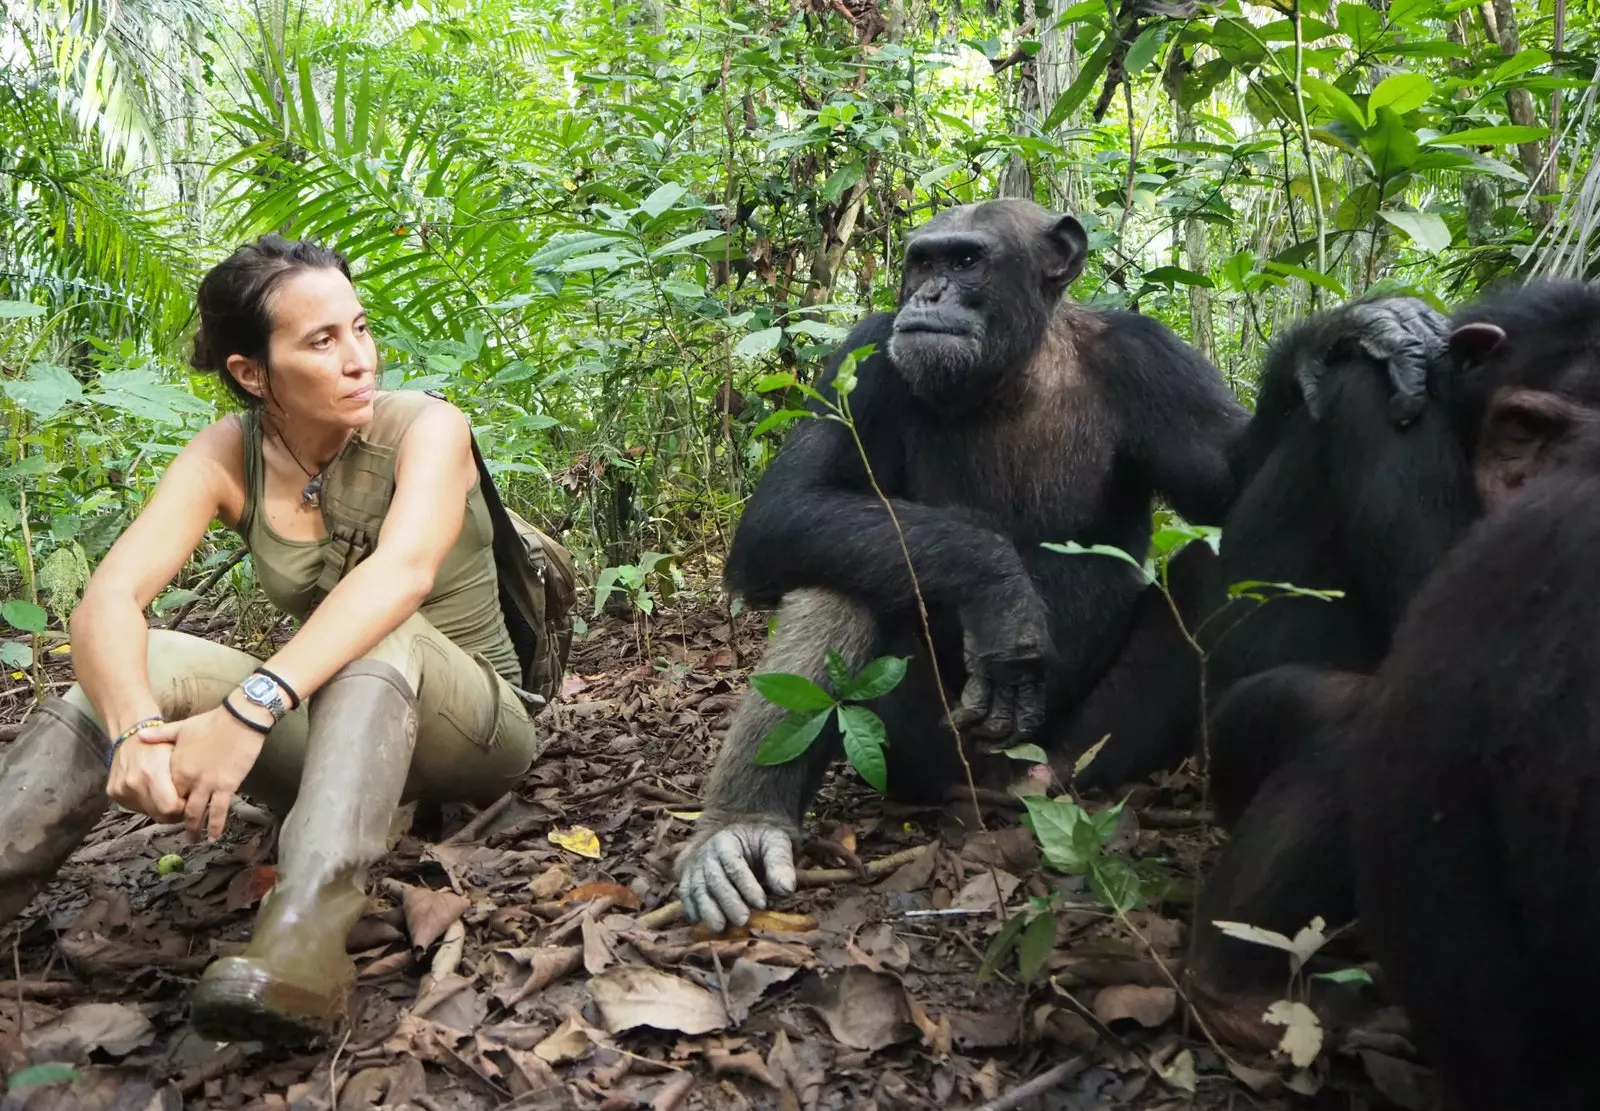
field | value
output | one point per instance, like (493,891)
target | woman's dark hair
(233,302)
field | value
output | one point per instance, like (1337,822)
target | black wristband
(242,720)
(294,699)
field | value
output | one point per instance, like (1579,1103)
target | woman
(400,683)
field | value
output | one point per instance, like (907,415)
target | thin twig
(211,580)
(481,822)
(1038,1086)
(333,1069)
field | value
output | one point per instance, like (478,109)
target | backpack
(538,589)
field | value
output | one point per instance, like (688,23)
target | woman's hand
(141,776)
(211,755)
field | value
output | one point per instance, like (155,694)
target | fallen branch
(481,822)
(1038,1086)
(211,580)
(40,989)
(670,913)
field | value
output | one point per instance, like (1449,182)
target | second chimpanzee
(1474,765)
(996,416)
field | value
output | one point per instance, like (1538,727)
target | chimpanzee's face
(979,287)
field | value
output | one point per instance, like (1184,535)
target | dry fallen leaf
(550,883)
(631,995)
(116,1028)
(980,892)
(567,1042)
(748,981)
(579,839)
(878,948)
(914,874)
(781,922)
(863,1009)
(249,885)
(429,913)
(1302,1036)
(545,967)
(1149,1007)
(619,895)
(597,954)
(1178,1071)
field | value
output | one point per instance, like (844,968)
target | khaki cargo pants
(475,735)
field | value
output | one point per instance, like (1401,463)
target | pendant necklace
(311,492)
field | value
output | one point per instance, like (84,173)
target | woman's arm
(434,473)
(108,629)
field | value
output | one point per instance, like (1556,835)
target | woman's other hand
(211,755)
(141,776)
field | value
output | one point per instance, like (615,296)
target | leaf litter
(538,963)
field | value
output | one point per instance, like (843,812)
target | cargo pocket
(459,694)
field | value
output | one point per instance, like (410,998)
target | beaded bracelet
(137,727)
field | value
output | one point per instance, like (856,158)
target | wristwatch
(265,693)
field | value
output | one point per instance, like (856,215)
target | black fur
(1071,445)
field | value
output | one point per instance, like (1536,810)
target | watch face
(260,689)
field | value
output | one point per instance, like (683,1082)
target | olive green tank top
(465,602)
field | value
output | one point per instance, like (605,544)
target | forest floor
(501,968)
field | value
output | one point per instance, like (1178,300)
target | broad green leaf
(817,329)
(778,420)
(1391,145)
(1178,275)
(24,616)
(939,173)
(758,343)
(14,653)
(682,244)
(1143,50)
(1055,823)
(1345,976)
(864,741)
(875,680)
(1265,591)
(1336,102)
(1491,136)
(1117,883)
(603,260)
(1029,753)
(792,692)
(172,600)
(559,248)
(45,391)
(1326,281)
(663,199)
(1402,92)
(1088,78)
(1038,941)
(790,737)
(41,1075)
(779,381)
(1523,61)
(838,671)
(1428,231)
(20,310)
(845,177)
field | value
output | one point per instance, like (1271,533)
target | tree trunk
(1519,104)
(1194,229)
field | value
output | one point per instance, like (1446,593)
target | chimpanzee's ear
(1473,343)
(1069,246)
(1523,435)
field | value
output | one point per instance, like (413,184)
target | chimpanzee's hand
(1006,648)
(718,878)
(1403,332)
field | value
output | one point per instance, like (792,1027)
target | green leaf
(1117,883)
(1523,61)
(845,177)
(45,391)
(1003,943)
(792,692)
(875,680)
(603,260)
(838,671)
(41,1075)
(1143,50)
(1345,976)
(864,741)
(778,420)
(1402,92)
(1391,145)
(1326,281)
(1055,823)
(1072,547)
(1428,231)
(682,244)
(939,173)
(1487,136)
(779,381)
(1038,941)
(790,737)
(663,199)
(1336,102)
(1032,754)
(1168,275)
(14,653)
(758,343)
(19,310)
(25,616)
(1088,77)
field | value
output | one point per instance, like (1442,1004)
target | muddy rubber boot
(52,792)
(291,983)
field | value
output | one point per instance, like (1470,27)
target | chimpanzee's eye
(964,259)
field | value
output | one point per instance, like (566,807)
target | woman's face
(322,362)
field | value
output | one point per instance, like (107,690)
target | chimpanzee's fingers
(729,849)
(1030,709)
(777,862)
(975,698)
(1002,713)
(724,896)
(698,905)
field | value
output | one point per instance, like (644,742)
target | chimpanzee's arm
(814,520)
(1180,422)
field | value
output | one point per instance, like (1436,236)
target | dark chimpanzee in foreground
(1290,731)
(1474,770)
(997,416)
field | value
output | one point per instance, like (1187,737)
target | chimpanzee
(1281,737)
(1475,761)
(996,416)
